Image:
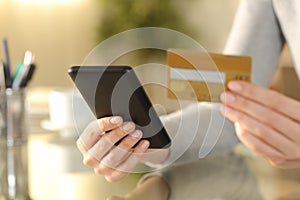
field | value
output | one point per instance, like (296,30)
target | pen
(2,92)
(28,59)
(29,75)
(18,69)
(7,63)
(2,78)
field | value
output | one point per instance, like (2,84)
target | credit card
(203,76)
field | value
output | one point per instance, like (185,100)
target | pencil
(2,78)
(7,63)
(28,59)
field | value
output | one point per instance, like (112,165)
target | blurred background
(63,32)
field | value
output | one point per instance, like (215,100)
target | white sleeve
(256,33)
(197,131)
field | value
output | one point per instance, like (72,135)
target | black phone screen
(116,90)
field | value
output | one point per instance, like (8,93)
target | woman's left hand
(266,121)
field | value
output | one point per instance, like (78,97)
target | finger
(88,160)
(97,128)
(263,132)
(286,164)
(119,153)
(107,141)
(81,146)
(268,98)
(127,166)
(264,114)
(256,144)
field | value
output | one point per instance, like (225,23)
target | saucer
(64,130)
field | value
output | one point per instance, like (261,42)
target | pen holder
(13,146)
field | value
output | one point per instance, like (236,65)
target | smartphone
(116,90)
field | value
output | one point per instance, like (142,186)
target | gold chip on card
(203,76)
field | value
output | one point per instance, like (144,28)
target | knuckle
(140,151)
(114,177)
(142,147)
(127,143)
(87,162)
(278,162)
(104,124)
(91,131)
(110,160)
(98,170)
(261,131)
(242,134)
(133,125)
(110,179)
(107,141)
(92,128)
(255,147)
(120,133)
(102,169)
(80,145)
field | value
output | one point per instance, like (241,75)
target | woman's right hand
(97,144)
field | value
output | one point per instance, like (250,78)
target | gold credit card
(203,76)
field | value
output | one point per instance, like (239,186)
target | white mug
(60,108)
(67,111)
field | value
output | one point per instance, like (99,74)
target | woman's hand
(266,121)
(97,144)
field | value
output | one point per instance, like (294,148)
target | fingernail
(227,97)
(135,134)
(127,127)
(145,144)
(234,86)
(116,120)
(225,110)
